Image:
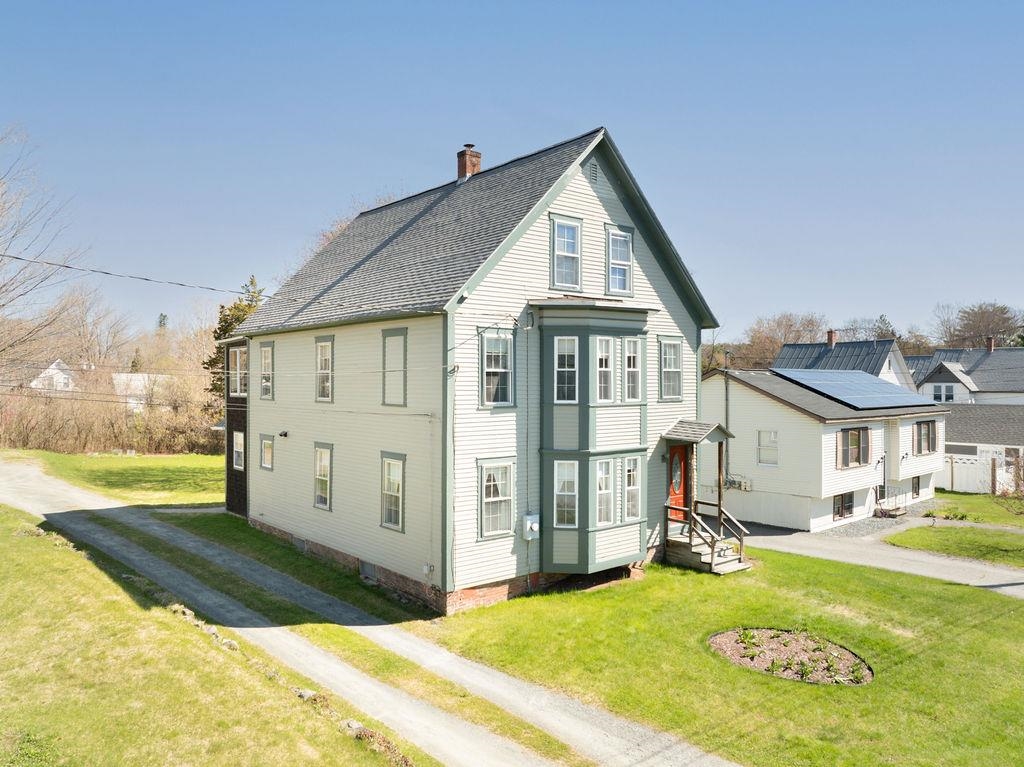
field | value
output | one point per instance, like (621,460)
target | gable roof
(1001,370)
(950,372)
(697,432)
(816,404)
(413,256)
(985,424)
(869,356)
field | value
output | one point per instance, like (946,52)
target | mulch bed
(795,655)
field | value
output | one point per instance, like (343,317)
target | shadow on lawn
(336,595)
(155,478)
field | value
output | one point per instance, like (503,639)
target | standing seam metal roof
(869,356)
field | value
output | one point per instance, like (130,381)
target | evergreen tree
(136,364)
(230,317)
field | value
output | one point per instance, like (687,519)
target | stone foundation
(425,593)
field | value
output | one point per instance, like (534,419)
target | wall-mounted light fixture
(282,434)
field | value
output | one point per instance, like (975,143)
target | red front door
(678,464)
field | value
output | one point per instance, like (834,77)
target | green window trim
(663,342)
(575,494)
(608,370)
(639,370)
(331,374)
(608,492)
(483,334)
(266,376)
(555,220)
(482,464)
(629,233)
(387,370)
(387,494)
(264,438)
(317,478)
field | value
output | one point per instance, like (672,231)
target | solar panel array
(855,388)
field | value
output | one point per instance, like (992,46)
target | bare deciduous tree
(764,339)
(30,226)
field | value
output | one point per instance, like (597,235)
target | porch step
(699,557)
(733,566)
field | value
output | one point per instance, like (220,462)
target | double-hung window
(238,371)
(566,254)
(605,379)
(949,392)
(632,382)
(620,262)
(768,448)
(267,370)
(238,450)
(566,493)
(325,369)
(497,367)
(496,487)
(632,489)
(671,369)
(566,368)
(322,476)
(924,437)
(853,448)
(392,491)
(937,392)
(605,498)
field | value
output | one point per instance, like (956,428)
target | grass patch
(95,671)
(978,508)
(1005,548)
(236,534)
(355,649)
(163,480)
(641,650)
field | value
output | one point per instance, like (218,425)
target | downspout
(728,359)
(447,454)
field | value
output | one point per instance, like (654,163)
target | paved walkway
(871,551)
(592,732)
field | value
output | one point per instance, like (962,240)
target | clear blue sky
(849,160)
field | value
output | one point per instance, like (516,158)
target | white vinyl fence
(988,472)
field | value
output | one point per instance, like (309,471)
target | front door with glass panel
(678,456)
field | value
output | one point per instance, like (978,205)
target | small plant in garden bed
(792,655)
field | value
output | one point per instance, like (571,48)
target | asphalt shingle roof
(1001,370)
(413,255)
(815,404)
(986,424)
(694,431)
(868,356)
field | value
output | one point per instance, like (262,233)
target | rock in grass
(306,694)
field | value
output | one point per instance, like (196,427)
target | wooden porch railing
(705,534)
(727,521)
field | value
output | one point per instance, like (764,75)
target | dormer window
(565,264)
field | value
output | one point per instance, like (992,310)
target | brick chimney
(469,162)
(831,339)
(990,344)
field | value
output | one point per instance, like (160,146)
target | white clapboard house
(812,449)
(466,393)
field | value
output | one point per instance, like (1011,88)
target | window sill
(565,527)
(393,528)
(496,406)
(617,525)
(495,537)
(570,288)
(321,508)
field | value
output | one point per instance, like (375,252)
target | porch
(715,545)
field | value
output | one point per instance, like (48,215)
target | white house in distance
(817,448)
(881,358)
(466,394)
(990,376)
(57,376)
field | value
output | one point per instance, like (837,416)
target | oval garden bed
(794,655)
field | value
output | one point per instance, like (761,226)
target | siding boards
(617,427)
(359,427)
(616,542)
(523,275)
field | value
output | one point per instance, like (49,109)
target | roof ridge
(526,156)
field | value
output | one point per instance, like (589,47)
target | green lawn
(978,508)
(140,480)
(94,671)
(347,645)
(640,649)
(1002,547)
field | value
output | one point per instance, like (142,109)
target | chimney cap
(469,146)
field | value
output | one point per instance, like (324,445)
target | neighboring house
(881,358)
(984,446)
(465,394)
(989,376)
(139,390)
(814,449)
(58,376)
